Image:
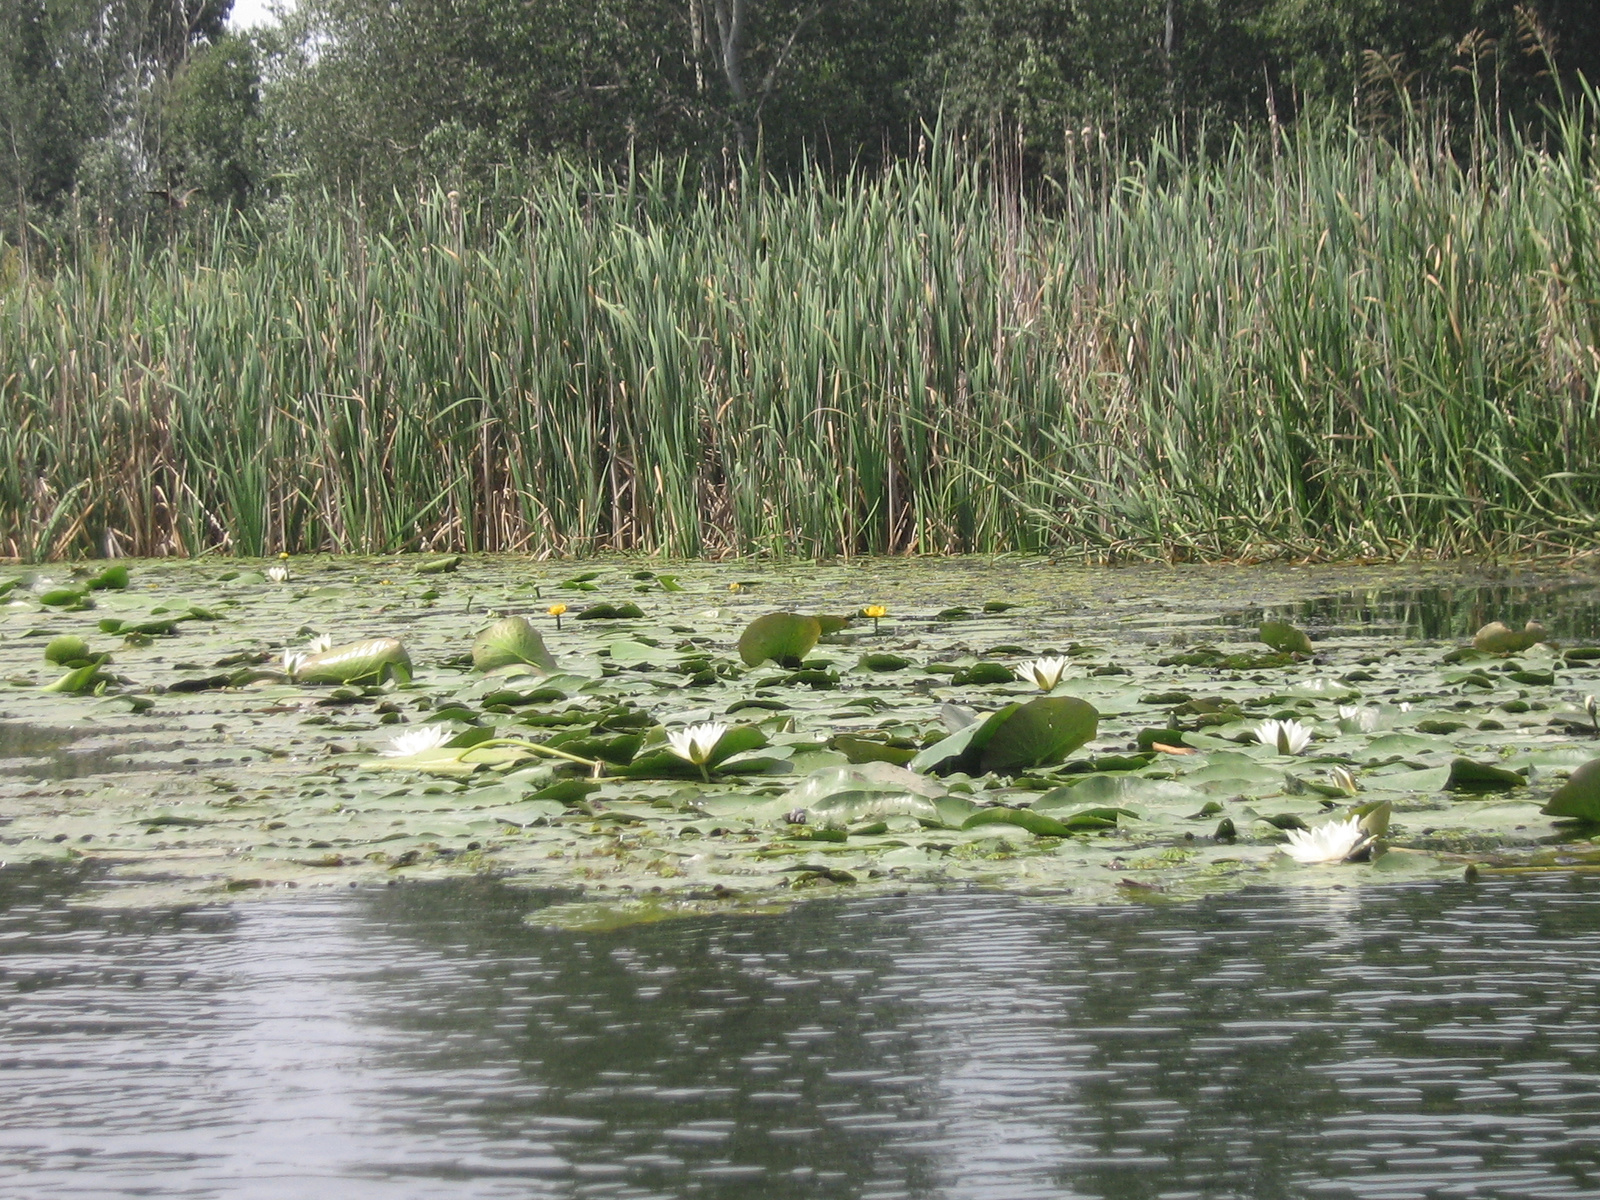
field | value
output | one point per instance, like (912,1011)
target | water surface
(427,1041)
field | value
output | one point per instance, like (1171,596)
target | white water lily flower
(1290,737)
(293,660)
(1332,841)
(278,574)
(417,741)
(1363,716)
(696,743)
(1043,673)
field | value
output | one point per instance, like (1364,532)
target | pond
(442,1040)
(1102,735)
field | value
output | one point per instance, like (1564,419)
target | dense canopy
(121,106)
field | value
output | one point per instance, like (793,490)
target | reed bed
(1336,345)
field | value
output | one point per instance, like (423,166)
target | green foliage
(216,132)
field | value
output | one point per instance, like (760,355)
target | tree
(80,83)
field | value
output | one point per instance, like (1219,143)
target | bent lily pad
(81,680)
(440,566)
(1284,638)
(868,804)
(1035,823)
(509,643)
(1039,733)
(781,637)
(1469,776)
(114,578)
(959,751)
(68,650)
(374,661)
(1499,638)
(1579,797)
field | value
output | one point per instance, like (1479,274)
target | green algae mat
(661,738)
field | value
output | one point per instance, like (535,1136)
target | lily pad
(440,566)
(1285,638)
(1039,733)
(781,637)
(1469,776)
(511,642)
(1034,822)
(1499,638)
(373,661)
(1579,797)
(68,650)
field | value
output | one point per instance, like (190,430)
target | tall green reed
(1336,345)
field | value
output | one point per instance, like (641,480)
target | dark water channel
(424,1041)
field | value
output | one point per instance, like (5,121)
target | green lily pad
(114,578)
(1285,638)
(1498,638)
(1579,797)
(611,612)
(781,637)
(372,661)
(984,674)
(511,642)
(1038,733)
(440,566)
(950,753)
(865,750)
(81,680)
(63,597)
(850,807)
(1035,823)
(881,661)
(67,650)
(1469,776)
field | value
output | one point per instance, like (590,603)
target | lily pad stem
(536,747)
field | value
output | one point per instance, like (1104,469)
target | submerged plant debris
(205,729)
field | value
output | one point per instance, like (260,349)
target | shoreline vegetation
(1331,344)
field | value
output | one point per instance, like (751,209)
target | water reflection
(1569,611)
(425,1041)
(58,753)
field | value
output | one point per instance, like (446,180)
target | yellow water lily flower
(555,610)
(877,612)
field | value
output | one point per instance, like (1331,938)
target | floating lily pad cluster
(713,740)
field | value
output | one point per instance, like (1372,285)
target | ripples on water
(423,1042)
